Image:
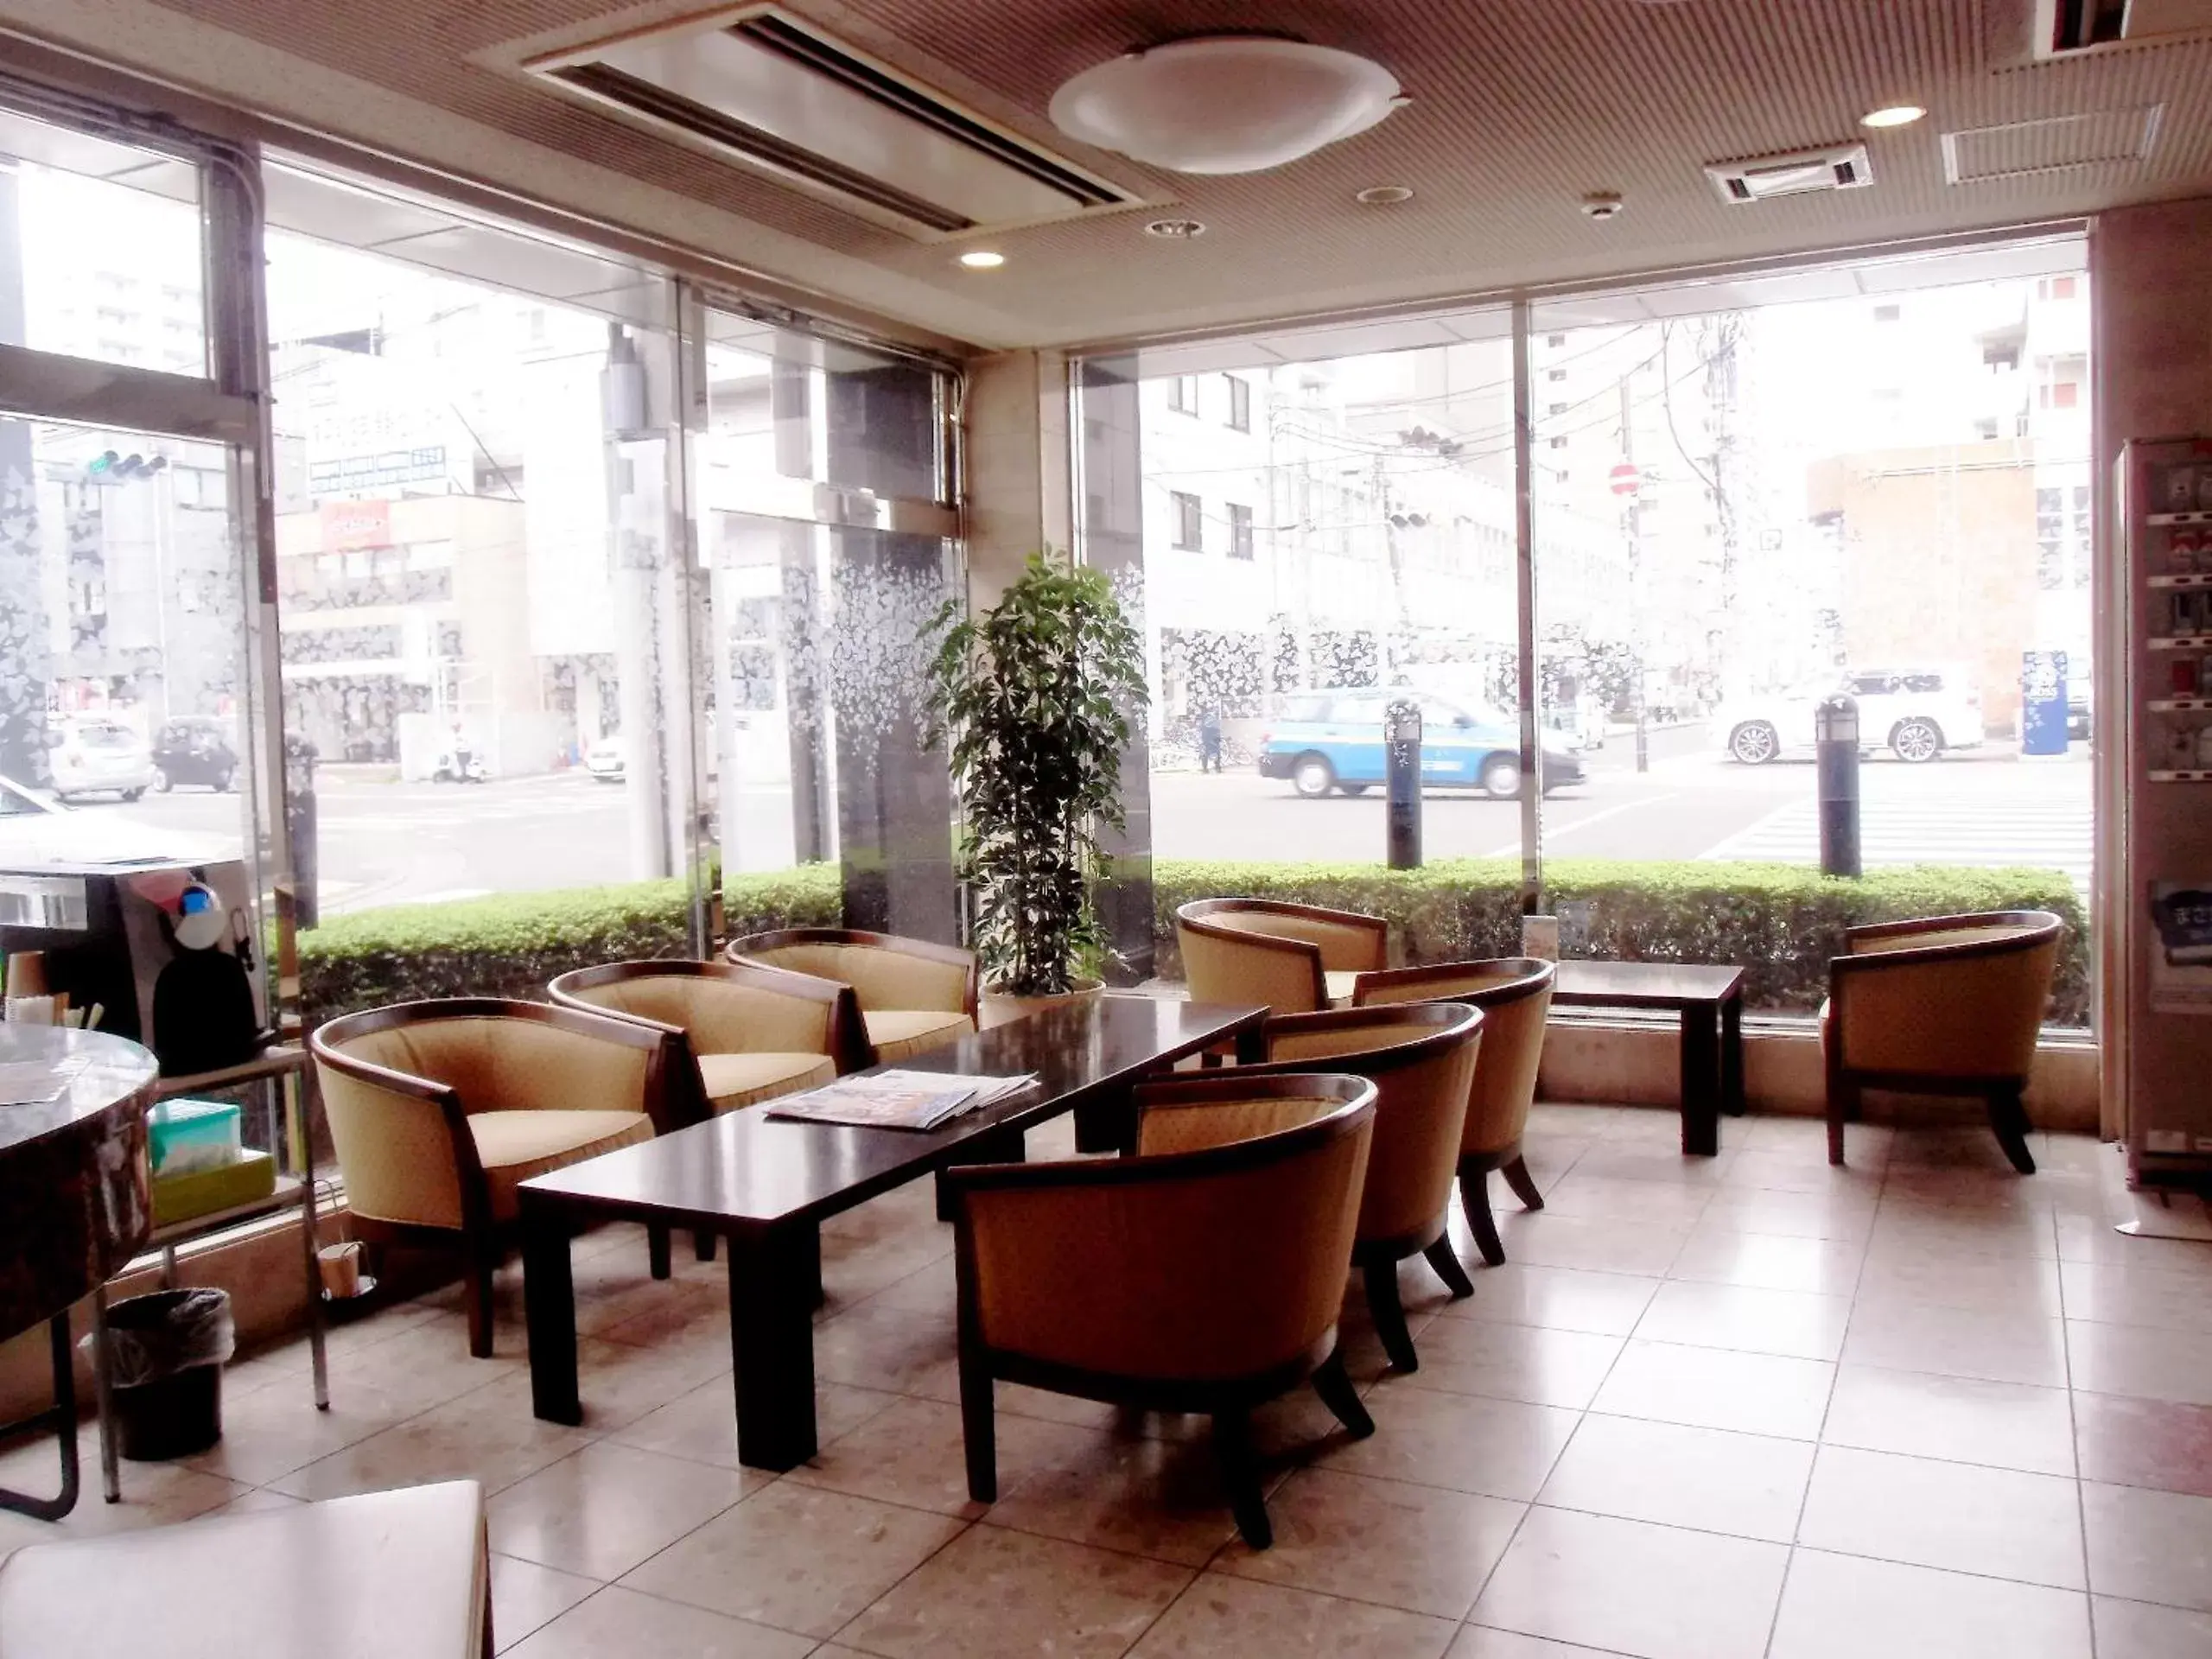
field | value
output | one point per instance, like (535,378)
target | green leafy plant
(1035,696)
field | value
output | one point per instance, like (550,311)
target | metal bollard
(1401,751)
(1836,732)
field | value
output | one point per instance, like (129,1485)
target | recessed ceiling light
(1175,229)
(1895,115)
(1384,196)
(982,258)
(1603,204)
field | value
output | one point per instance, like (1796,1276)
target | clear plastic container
(189,1135)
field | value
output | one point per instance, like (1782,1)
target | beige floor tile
(2006,1425)
(1502,1448)
(1715,1387)
(2135,1630)
(2085,1238)
(1842,1215)
(2149,1546)
(649,1310)
(992,1592)
(1418,1548)
(1619,1201)
(618,1621)
(272,1431)
(795,1557)
(2141,1361)
(914,1452)
(1997,1347)
(941,1381)
(877,1346)
(525,1596)
(1542,1239)
(1561,1298)
(1748,1320)
(1994,1284)
(1528,1362)
(1948,1232)
(929,1289)
(702,1424)
(1619,1161)
(2120,1296)
(154,1495)
(1803,1168)
(1962,1517)
(1156,1497)
(481,1437)
(1661,1592)
(607,1507)
(1219,1615)
(619,1383)
(1479,1642)
(1751,1485)
(1840,1607)
(1721,1255)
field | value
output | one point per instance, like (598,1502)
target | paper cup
(341,1270)
(33,1010)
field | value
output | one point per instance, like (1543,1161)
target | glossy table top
(1645,984)
(114,1070)
(747,1167)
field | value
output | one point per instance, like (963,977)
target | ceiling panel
(1520,108)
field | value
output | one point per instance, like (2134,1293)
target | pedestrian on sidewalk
(1208,739)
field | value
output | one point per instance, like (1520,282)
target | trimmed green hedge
(1783,921)
(509,944)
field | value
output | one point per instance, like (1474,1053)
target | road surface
(384,841)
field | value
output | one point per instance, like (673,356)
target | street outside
(383,841)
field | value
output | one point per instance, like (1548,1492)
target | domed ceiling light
(1225,102)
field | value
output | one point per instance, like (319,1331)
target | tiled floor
(1713,1409)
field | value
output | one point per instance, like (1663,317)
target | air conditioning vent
(1765,177)
(2018,148)
(769,90)
(2064,26)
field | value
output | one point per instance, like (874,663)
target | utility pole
(1635,579)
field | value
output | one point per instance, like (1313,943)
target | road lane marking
(1512,848)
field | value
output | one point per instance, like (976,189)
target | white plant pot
(998,1008)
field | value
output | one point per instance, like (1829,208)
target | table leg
(1701,1082)
(549,1295)
(60,1417)
(1732,1055)
(309,1238)
(102,1374)
(771,1342)
(1252,1043)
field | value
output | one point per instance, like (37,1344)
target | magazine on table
(898,1100)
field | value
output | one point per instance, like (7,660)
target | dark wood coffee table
(1710,1001)
(766,1183)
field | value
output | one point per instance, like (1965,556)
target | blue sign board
(2043,703)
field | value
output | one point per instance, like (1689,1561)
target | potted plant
(1035,696)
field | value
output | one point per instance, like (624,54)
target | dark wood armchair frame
(1847,1084)
(1196,915)
(485,1242)
(1229,1401)
(739,953)
(1475,1166)
(1378,1259)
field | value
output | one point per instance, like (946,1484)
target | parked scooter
(461,766)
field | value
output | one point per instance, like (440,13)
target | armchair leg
(702,1245)
(657,1255)
(1843,1105)
(1240,1477)
(483,1261)
(979,1433)
(1440,1257)
(1474,1199)
(1334,1386)
(1390,1314)
(1522,1183)
(2009,1118)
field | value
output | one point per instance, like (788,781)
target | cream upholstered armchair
(439,1110)
(1944,1005)
(1514,994)
(751,1034)
(913,995)
(1204,1273)
(1422,1058)
(1293,958)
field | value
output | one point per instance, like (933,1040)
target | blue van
(1325,741)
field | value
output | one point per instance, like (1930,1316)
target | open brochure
(898,1100)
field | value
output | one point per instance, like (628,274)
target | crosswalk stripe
(2058,837)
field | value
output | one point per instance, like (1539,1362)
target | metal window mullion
(55,386)
(1524,571)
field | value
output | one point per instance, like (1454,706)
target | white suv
(1916,713)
